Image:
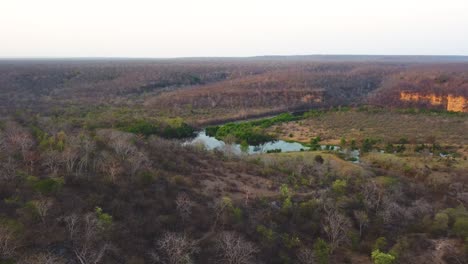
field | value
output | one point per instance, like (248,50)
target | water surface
(211,143)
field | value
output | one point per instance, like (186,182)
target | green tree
(380,243)
(284,190)
(460,227)
(379,257)
(315,143)
(342,142)
(339,187)
(353,144)
(367,145)
(321,251)
(440,224)
(105,220)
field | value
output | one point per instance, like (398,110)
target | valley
(292,159)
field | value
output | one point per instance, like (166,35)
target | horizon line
(222,57)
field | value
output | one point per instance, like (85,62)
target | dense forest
(94,167)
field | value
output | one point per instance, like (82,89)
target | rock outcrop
(449,102)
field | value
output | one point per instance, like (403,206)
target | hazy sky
(180,28)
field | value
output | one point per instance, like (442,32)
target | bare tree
(42,258)
(72,222)
(235,249)
(306,256)
(8,169)
(110,166)
(362,220)
(121,144)
(31,158)
(18,139)
(42,207)
(2,142)
(137,161)
(184,206)
(219,208)
(70,157)
(174,248)
(87,148)
(8,242)
(52,160)
(88,247)
(372,195)
(393,214)
(336,226)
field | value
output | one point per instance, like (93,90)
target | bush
(339,187)
(267,234)
(321,251)
(440,224)
(319,159)
(48,186)
(315,143)
(379,257)
(105,220)
(460,227)
(380,243)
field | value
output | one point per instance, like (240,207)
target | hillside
(96,165)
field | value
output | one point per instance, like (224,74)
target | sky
(221,28)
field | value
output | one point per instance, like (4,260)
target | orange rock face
(450,102)
(457,104)
(312,98)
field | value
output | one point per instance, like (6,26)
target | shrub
(440,224)
(380,243)
(105,220)
(291,241)
(460,227)
(339,187)
(321,251)
(48,186)
(319,159)
(315,143)
(379,257)
(267,234)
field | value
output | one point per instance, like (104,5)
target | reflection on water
(212,143)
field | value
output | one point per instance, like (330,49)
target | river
(211,143)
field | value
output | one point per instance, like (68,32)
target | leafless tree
(8,169)
(420,208)
(42,258)
(235,249)
(87,148)
(372,195)
(110,166)
(336,226)
(18,139)
(184,206)
(2,142)
(362,220)
(70,157)
(42,207)
(219,208)
(88,247)
(52,160)
(8,242)
(72,222)
(137,161)
(306,256)
(174,248)
(121,144)
(247,195)
(392,213)
(31,158)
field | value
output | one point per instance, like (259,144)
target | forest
(94,165)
